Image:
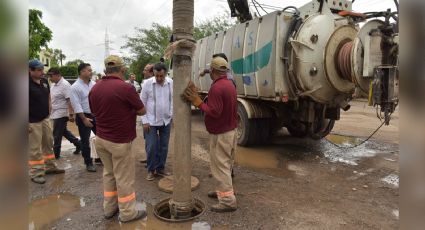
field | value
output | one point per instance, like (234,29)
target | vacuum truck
(298,67)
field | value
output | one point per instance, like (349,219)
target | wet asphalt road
(289,184)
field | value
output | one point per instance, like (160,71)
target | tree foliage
(148,45)
(39,34)
(57,57)
(218,23)
(75,62)
(69,71)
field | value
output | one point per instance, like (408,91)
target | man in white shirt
(132,81)
(84,119)
(62,111)
(157,96)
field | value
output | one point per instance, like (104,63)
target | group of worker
(109,109)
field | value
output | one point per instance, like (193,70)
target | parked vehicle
(297,68)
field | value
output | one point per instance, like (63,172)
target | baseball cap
(113,61)
(35,64)
(219,63)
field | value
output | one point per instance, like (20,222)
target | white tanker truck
(297,68)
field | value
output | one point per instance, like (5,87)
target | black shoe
(55,171)
(112,214)
(222,208)
(143,161)
(77,148)
(38,180)
(212,194)
(140,215)
(91,168)
(98,161)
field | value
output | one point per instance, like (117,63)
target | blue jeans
(156,141)
(85,137)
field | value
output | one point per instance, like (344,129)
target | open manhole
(162,211)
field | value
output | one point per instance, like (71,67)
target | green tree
(218,23)
(75,62)
(39,34)
(57,57)
(69,71)
(148,45)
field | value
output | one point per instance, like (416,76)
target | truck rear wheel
(251,131)
(245,127)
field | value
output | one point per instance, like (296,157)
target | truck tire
(246,130)
(325,130)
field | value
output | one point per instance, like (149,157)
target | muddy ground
(289,184)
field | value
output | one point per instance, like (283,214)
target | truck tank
(297,68)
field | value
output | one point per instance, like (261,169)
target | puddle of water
(268,160)
(348,156)
(279,158)
(392,180)
(259,158)
(153,223)
(343,140)
(43,212)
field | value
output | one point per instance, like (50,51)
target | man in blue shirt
(84,119)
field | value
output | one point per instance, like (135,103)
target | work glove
(190,94)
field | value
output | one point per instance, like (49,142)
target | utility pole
(107,48)
(182,203)
(60,56)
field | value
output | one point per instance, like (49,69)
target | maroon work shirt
(221,108)
(114,104)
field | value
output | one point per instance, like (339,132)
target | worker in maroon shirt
(115,105)
(220,121)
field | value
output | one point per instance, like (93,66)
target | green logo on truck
(253,62)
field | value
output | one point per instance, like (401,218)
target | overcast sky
(79,26)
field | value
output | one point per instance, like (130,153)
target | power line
(256,8)
(118,12)
(260,6)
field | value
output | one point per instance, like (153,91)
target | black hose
(292,7)
(321,6)
(294,24)
(396,4)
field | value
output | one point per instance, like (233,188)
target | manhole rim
(166,202)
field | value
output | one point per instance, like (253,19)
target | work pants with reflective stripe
(118,178)
(222,150)
(41,156)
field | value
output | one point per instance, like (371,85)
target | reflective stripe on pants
(40,150)
(118,178)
